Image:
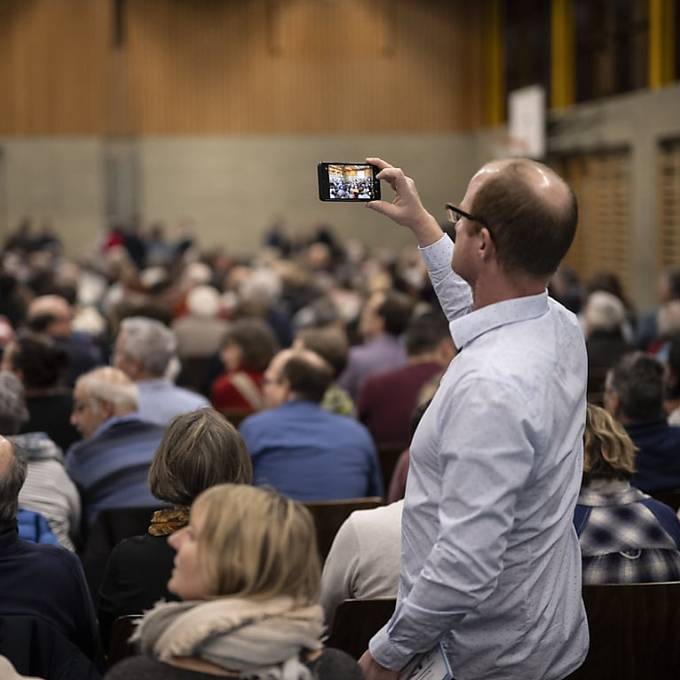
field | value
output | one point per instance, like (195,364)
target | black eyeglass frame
(462,213)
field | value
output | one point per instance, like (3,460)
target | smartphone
(348,182)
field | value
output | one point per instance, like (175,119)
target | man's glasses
(454,213)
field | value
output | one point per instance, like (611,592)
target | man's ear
(486,244)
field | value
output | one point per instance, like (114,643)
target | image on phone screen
(348,182)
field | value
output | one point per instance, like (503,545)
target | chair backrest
(109,528)
(634,632)
(671,498)
(119,641)
(388,457)
(357,621)
(329,516)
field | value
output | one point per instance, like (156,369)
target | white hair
(604,312)
(13,411)
(203,302)
(148,342)
(110,385)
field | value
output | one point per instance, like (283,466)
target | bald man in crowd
(302,450)
(111,465)
(490,564)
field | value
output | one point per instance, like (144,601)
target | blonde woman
(247,573)
(626,536)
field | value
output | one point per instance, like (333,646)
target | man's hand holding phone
(406,209)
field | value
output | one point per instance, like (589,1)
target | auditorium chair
(356,622)
(119,640)
(388,457)
(110,528)
(329,516)
(671,498)
(634,632)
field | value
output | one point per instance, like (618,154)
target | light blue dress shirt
(490,560)
(161,400)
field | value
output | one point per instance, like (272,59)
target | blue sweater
(657,462)
(309,454)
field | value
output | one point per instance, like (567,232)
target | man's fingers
(379,162)
(384,208)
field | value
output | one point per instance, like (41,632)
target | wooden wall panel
(668,205)
(239,67)
(602,184)
(52,66)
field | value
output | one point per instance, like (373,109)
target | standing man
(491,566)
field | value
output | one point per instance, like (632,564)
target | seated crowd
(223,394)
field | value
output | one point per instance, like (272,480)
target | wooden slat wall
(668,202)
(52,64)
(240,66)
(602,184)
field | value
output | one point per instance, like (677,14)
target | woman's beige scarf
(259,640)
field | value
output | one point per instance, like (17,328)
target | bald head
(12,477)
(530,212)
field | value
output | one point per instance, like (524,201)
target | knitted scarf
(258,640)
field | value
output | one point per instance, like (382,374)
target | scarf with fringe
(259,640)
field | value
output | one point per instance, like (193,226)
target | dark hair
(11,483)
(425,332)
(395,310)
(308,380)
(41,362)
(198,450)
(330,344)
(637,380)
(530,234)
(256,341)
(673,277)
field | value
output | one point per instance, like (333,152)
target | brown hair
(608,451)
(256,341)
(307,378)
(531,234)
(329,343)
(198,450)
(255,543)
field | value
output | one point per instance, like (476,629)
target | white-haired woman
(248,574)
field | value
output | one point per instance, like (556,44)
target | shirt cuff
(386,653)
(438,255)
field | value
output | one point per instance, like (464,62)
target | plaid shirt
(626,536)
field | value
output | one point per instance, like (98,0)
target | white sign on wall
(526,122)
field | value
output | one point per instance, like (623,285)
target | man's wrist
(426,229)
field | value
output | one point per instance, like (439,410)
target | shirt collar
(467,328)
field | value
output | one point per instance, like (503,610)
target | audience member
(41,581)
(383,319)
(604,318)
(111,464)
(198,450)
(248,576)
(496,460)
(302,450)
(331,345)
(363,562)
(144,349)
(48,490)
(387,400)
(53,315)
(626,536)
(41,367)
(247,349)
(200,332)
(634,394)
(668,289)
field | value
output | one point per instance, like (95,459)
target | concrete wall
(231,187)
(639,122)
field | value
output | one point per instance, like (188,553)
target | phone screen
(349,182)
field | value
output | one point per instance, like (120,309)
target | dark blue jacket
(657,462)
(47,582)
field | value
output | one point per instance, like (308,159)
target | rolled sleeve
(485,456)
